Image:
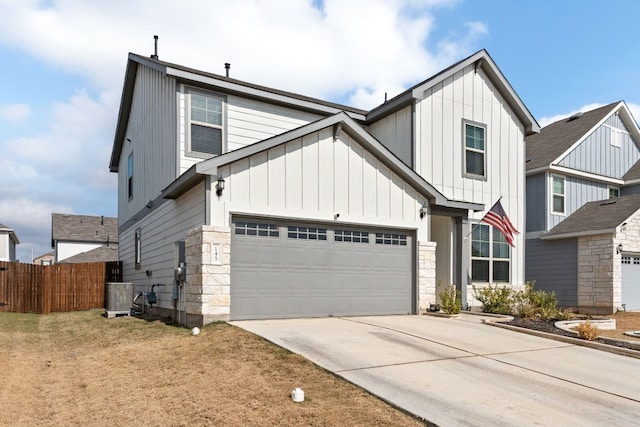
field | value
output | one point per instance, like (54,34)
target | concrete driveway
(459,372)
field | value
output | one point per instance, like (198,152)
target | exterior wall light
(424,210)
(220,186)
(619,248)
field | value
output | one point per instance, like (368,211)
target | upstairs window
(557,194)
(206,124)
(475,156)
(130,176)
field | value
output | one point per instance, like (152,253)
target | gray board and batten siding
(288,270)
(536,202)
(597,155)
(554,267)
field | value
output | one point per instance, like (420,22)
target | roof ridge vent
(609,202)
(575,116)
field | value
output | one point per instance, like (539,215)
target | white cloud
(14,112)
(346,51)
(635,111)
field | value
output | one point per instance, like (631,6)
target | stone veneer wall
(426,275)
(599,275)
(208,283)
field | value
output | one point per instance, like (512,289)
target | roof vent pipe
(155,48)
(227,66)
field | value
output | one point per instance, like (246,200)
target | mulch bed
(549,327)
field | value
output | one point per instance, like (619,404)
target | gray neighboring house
(84,238)
(583,231)
(8,242)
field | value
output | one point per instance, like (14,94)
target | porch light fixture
(424,210)
(220,186)
(619,248)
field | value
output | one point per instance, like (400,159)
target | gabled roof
(600,217)
(482,60)
(83,228)
(229,85)
(11,233)
(340,122)
(215,82)
(556,139)
(103,253)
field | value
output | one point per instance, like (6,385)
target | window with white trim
(475,155)
(557,194)
(614,192)
(490,255)
(206,118)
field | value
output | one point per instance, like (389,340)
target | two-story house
(243,202)
(83,238)
(8,242)
(583,231)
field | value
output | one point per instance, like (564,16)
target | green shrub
(521,301)
(494,299)
(450,301)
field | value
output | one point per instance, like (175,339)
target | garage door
(283,270)
(631,282)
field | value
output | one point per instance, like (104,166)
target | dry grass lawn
(81,368)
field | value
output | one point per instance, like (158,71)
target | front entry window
(490,255)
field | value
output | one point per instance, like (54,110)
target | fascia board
(578,234)
(123,113)
(629,121)
(257,93)
(496,76)
(563,170)
(182,184)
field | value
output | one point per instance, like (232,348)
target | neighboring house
(45,259)
(281,205)
(583,234)
(8,242)
(84,238)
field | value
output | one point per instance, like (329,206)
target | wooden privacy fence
(44,289)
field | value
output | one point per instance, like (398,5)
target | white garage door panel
(279,276)
(631,282)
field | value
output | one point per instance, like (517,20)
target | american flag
(498,218)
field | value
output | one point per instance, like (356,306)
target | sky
(63,61)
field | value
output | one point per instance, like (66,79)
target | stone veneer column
(426,275)
(208,281)
(596,274)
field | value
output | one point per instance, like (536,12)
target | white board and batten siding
(160,231)
(439,157)
(317,178)
(152,131)
(245,122)
(395,132)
